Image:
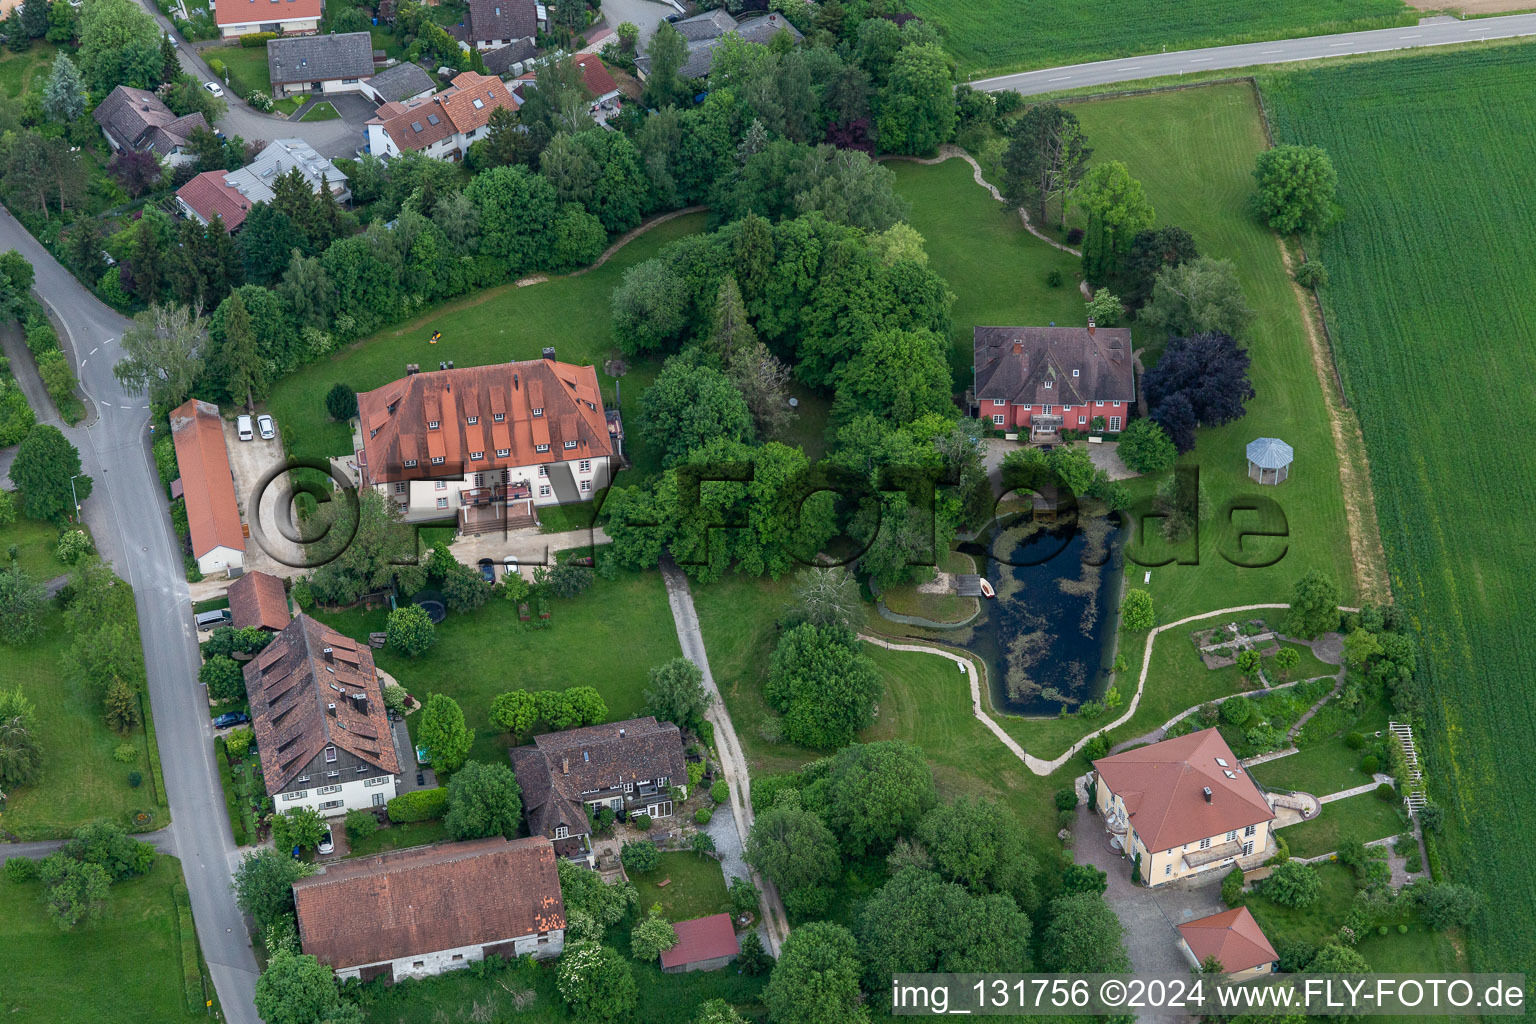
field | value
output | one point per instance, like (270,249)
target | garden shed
(1269,460)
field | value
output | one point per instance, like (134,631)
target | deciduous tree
(1084,936)
(1146,448)
(825,685)
(409,630)
(44,466)
(1314,606)
(793,848)
(653,936)
(816,980)
(978,844)
(1117,209)
(264,885)
(1296,188)
(443,732)
(483,800)
(597,984)
(298,989)
(677,694)
(163,354)
(690,404)
(873,793)
(119,45)
(514,711)
(1198,296)
(1200,380)
(915,111)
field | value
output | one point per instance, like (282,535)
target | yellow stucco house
(1185,805)
(1234,939)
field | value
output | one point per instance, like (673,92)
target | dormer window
(500,417)
(432,424)
(437,460)
(410,463)
(561,832)
(472,420)
(330,754)
(1047,385)
(570,444)
(539,411)
(503,453)
(541,447)
(476,456)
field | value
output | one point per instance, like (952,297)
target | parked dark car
(487,570)
(230,718)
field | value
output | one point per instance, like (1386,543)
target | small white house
(419,912)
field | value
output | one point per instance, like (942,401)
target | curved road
(1440,31)
(128,517)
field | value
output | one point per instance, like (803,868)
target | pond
(1048,637)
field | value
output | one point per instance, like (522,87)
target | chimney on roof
(621,731)
(360,703)
(450,366)
(565,766)
(1018,348)
(515,385)
(1091,326)
(330,709)
(442,364)
(1207,792)
(328,654)
(549,353)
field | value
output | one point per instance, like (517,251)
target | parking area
(1149,915)
(249,461)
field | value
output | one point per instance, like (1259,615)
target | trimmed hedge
(191,968)
(231,799)
(422,805)
(251,40)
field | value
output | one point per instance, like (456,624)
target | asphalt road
(128,517)
(1429,32)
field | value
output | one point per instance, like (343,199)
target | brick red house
(1048,379)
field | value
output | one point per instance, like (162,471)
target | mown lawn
(320,112)
(1433,311)
(497,325)
(399,836)
(1326,766)
(247,66)
(945,607)
(35,541)
(609,638)
(994,36)
(1364,817)
(19,70)
(126,967)
(696,889)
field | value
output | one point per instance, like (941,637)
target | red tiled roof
(419,124)
(1163,787)
(428,899)
(311,688)
(595,76)
(209,196)
(253,12)
(1233,937)
(257,599)
(207,484)
(703,938)
(395,419)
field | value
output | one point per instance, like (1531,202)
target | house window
(476,456)
(333,775)
(330,754)
(1247,848)
(585,465)
(458,956)
(400,488)
(331,805)
(499,417)
(419,963)
(472,420)
(323,790)
(378,799)
(1205,844)
(539,411)
(378,781)
(1251,830)
(629,787)
(1081,420)
(503,453)
(570,444)
(361,768)
(543,490)
(1074,373)
(479,479)
(410,463)
(432,424)
(997,419)
(437,461)
(1167,870)
(442,502)
(1098,405)
(1232,836)
(586,485)
(302,778)
(439,485)
(999,401)
(541,447)
(1047,385)
(299,795)
(561,832)
(543,471)
(1114,423)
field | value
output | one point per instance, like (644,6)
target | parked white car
(265,427)
(327,843)
(214,87)
(243,428)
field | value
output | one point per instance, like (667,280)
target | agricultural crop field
(994,36)
(1433,309)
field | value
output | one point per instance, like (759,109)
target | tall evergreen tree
(241,366)
(34,18)
(64,95)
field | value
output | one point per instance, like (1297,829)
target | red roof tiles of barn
(703,938)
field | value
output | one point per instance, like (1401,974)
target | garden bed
(1219,647)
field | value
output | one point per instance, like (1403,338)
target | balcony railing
(494,493)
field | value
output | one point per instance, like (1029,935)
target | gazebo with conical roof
(1269,460)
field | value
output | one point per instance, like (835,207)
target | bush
(21,869)
(259,100)
(1232,887)
(1065,820)
(641,822)
(1369,763)
(1386,791)
(1354,741)
(421,805)
(409,630)
(1066,798)
(1136,612)
(341,402)
(702,843)
(1053,279)
(1074,236)
(702,815)
(744,897)
(361,825)
(1293,884)
(217,67)
(135,780)
(640,856)
(1236,711)
(125,753)
(720,792)
(1312,274)
(255,40)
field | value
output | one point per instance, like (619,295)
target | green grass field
(500,324)
(1364,817)
(1433,310)
(19,70)
(488,652)
(1326,766)
(320,112)
(35,541)
(247,66)
(696,887)
(994,36)
(945,607)
(133,954)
